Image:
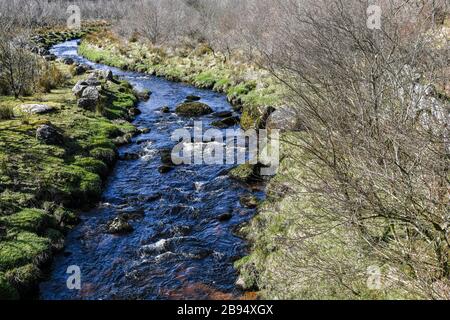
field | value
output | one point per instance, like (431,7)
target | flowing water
(178,249)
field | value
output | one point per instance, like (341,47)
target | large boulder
(36,108)
(47,134)
(284,119)
(91,93)
(193,109)
(222,114)
(78,89)
(92,80)
(105,74)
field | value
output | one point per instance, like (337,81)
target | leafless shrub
(377,145)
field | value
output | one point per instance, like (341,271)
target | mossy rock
(23,248)
(193,109)
(74,186)
(92,165)
(32,220)
(24,278)
(244,173)
(255,117)
(65,217)
(106,155)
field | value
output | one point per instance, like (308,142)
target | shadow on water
(178,249)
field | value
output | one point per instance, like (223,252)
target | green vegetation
(202,68)
(41,184)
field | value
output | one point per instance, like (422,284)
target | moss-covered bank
(43,186)
(248,87)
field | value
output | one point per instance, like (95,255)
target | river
(179,249)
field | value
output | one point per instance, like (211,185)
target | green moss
(243,172)
(92,165)
(206,79)
(32,220)
(24,277)
(23,248)
(105,155)
(101,56)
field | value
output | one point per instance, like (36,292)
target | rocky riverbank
(56,149)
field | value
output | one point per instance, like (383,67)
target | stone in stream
(36,108)
(104,74)
(127,156)
(165,169)
(226,123)
(143,95)
(225,217)
(193,109)
(192,98)
(223,114)
(119,226)
(165,109)
(249,201)
(133,112)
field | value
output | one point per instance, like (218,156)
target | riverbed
(179,248)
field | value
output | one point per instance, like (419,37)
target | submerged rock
(225,217)
(165,109)
(223,114)
(249,201)
(165,169)
(119,226)
(48,134)
(36,108)
(192,98)
(193,109)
